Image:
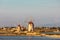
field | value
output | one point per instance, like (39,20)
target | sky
(42,12)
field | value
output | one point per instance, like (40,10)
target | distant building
(18,28)
(23,28)
(30,26)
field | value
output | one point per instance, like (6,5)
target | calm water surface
(26,38)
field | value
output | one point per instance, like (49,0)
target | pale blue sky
(13,12)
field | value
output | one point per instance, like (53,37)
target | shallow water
(26,38)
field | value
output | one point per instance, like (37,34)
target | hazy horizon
(13,12)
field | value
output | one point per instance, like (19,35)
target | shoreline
(51,36)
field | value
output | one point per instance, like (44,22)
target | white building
(18,28)
(30,26)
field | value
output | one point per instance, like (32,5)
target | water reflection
(25,38)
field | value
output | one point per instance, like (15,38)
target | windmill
(30,24)
(27,19)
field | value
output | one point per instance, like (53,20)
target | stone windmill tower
(30,26)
